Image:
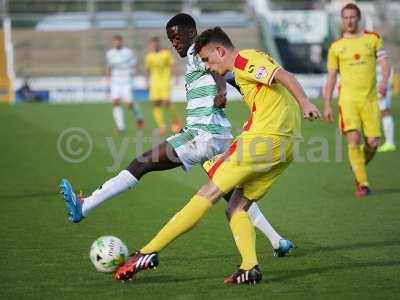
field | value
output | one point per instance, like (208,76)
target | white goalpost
(7,74)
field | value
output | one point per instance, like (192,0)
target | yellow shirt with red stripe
(273,109)
(159,66)
(355,60)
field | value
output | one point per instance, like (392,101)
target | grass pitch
(346,247)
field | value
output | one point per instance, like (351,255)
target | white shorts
(122,92)
(196,146)
(386,102)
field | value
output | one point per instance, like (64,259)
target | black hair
(182,19)
(212,35)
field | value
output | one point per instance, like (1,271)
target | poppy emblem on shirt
(357,56)
(261,73)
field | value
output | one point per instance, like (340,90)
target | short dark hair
(353,7)
(212,35)
(181,19)
(117,37)
(155,39)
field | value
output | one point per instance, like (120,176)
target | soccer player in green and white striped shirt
(207,133)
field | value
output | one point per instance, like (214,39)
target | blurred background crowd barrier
(54,50)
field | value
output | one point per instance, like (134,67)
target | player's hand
(382,89)
(310,111)
(220,100)
(328,116)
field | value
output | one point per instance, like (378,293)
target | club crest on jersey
(261,73)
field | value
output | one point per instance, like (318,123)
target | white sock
(118,114)
(388,129)
(112,187)
(260,222)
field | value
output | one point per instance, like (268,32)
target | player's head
(117,41)
(351,16)
(181,31)
(154,43)
(216,50)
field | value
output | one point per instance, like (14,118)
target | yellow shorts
(159,92)
(362,116)
(251,164)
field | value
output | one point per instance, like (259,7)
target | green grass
(347,248)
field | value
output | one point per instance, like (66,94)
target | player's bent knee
(373,143)
(353,137)
(237,203)
(211,192)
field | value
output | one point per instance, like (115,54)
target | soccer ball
(107,253)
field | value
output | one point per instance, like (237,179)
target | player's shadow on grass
(292,274)
(315,250)
(162,279)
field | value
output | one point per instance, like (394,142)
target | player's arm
(383,61)
(220,98)
(147,71)
(328,92)
(287,79)
(385,70)
(108,69)
(333,67)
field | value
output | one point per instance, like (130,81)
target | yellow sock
(183,221)
(369,153)
(172,113)
(158,115)
(357,162)
(245,239)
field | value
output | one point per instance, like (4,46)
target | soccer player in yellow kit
(354,57)
(255,159)
(158,65)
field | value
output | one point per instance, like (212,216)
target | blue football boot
(74,205)
(285,247)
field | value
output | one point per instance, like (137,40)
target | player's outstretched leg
(162,157)
(73,203)
(182,222)
(136,263)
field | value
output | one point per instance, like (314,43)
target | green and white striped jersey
(200,92)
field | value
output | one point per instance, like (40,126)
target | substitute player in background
(254,160)
(158,65)
(354,56)
(385,103)
(121,63)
